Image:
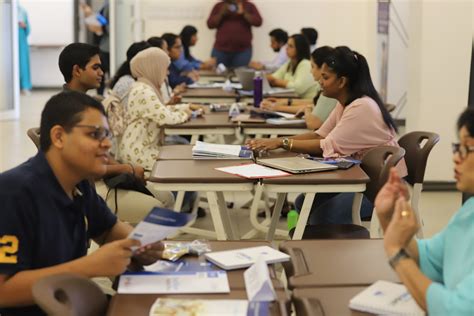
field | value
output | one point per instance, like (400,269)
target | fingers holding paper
(149,254)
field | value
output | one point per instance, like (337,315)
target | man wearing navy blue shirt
(50,211)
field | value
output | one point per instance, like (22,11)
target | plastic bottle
(292,219)
(257,89)
(234,110)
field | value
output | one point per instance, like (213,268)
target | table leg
(194,139)
(356,204)
(225,213)
(276,215)
(216,215)
(304,215)
(178,203)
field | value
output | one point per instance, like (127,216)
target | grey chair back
(34,135)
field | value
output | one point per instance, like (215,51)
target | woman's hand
(384,203)
(271,79)
(180,88)
(196,107)
(401,228)
(268,105)
(264,144)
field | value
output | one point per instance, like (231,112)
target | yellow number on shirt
(8,248)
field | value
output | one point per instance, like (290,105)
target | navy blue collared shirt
(175,77)
(40,226)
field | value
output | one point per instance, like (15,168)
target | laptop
(246,77)
(296,164)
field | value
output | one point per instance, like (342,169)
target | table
(326,301)
(140,304)
(217,95)
(260,129)
(342,262)
(200,175)
(353,179)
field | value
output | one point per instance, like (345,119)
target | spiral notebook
(386,298)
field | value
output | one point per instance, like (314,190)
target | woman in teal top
(24,50)
(438,272)
(296,72)
(317,110)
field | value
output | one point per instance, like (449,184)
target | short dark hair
(155,41)
(311,34)
(320,54)
(64,109)
(169,38)
(466,119)
(75,54)
(279,35)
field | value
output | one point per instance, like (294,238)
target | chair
(34,135)
(376,163)
(418,146)
(69,295)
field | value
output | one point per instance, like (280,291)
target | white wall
(438,76)
(339,22)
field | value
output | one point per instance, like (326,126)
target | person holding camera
(233,20)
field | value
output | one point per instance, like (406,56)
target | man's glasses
(99,132)
(462,150)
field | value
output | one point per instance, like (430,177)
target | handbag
(124,181)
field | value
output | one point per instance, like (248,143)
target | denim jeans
(333,208)
(233,59)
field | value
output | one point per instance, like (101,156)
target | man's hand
(111,259)
(264,144)
(388,194)
(401,229)
(256,65)
(148,254)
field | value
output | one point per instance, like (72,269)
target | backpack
(115,114)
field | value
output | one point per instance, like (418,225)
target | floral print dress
(145,115)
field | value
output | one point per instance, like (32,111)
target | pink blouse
(355,129)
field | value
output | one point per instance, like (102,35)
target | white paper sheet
(253,171)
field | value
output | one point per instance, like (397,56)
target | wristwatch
(290,101)
(286,143)
(401,254)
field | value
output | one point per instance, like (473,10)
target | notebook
(386,298)
(204,150)
(245,257)
(246,77)
(295,164)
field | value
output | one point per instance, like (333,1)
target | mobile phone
(232,7)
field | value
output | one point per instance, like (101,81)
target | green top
(324,105)
(302,80)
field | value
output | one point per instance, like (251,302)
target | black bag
(125,181)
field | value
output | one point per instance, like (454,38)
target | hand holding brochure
(159,224)
(386,298)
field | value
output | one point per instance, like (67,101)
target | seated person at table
(178,76)
(278,39)
(80,66)
(170,96)
(146,112)
(50,211)
(359,123)
(311,36)
(438,271)
(296,72)
(123,80)
(186,61)
(315,111)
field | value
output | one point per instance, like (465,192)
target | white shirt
(279,60)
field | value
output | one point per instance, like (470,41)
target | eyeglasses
(100,133)
(462,150)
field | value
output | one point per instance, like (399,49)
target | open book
(204,150)
(386,298)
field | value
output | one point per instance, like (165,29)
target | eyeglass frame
(105,132)
(462,150)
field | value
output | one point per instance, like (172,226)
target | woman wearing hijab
(146,112)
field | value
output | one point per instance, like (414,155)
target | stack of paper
(386,298)
(254,171)
(204,150)
(197,307)
(245,257)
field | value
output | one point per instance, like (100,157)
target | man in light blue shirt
(278,39)
(438,272)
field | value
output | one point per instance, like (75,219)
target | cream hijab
(150,66)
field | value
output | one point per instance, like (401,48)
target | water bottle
(257,89)
(234,110)
(292,219)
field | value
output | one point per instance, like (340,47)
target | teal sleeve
(324,107)
(430,254)
(457,301)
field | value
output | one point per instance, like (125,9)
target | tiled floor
(436,207)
